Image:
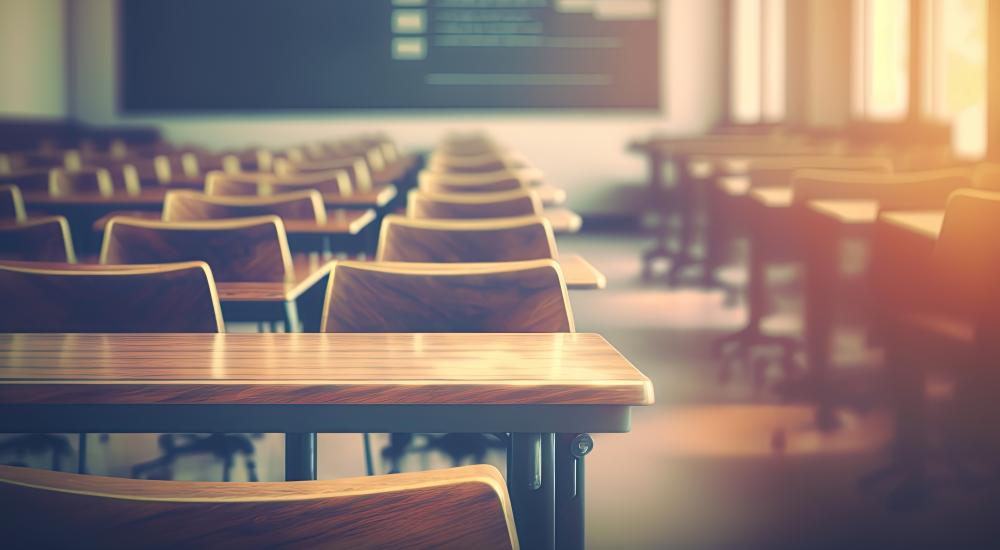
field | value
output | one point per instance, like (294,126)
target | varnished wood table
(548,391)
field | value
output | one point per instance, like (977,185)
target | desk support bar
(300,457)
(531,483)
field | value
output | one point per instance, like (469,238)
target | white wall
(585,153)
(32,58)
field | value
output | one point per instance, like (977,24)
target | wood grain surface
(307,271)
(51,297)
(359,176)
(193,206)
(338,221)
(459,508)
(421,204)
(242,250)
(525,296)
(491,240)
(44,239)
(312,368)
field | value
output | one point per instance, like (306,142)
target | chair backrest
(487,182)
(966,258)
(181,206)
(491,240)
(82,181)
(525,296)
(358,173)
(42,239)
(523,202)
(53,297)
(779,170)
(29,179)
(11,204)
(465,507)
(489,161)
(894,191)
(247,249)
(335,182)
(986,175)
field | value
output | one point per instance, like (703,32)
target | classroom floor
(711,465)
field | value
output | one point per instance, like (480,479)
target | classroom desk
(581,274)
(925,223)
(549,195)
(546,390)
(280,301)
(563,220)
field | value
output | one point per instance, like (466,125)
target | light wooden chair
(43,239)
(11,204)
(527,296)
(54,297)
(82,181)
(335,182)
(241,250)
(523,202)
(184,206)
(464,507)
(358,172)
(893,190)
(486,182)
(447,241)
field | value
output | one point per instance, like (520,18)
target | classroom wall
(32,58)
(585,153)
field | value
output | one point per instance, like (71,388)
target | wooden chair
(11,204)
(43,239)
(524,202)
(457,508)
(185,206)
(527,296)
(29,179)
(54,297)
(487,182)
(247,250)
(897,191)
(448,241)
(82,181)
(335,182)
(358,173)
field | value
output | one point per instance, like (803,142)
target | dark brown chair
(487,182)
(182,206)
(358,173)
(29,179)
(490,240)
(248,249)
(458,508)
(335,182)
(524,202)
(44,239)
(11,204)
(82,181)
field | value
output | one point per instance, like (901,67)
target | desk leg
(570,450)
(531,484)
(821,269)
(300,457)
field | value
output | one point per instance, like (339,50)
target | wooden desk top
(926,223)
(847,211)
(338,222)
(376,198)
(549,195)
(734,186)
(563,220)
(773,197)
(470,368)
(309,270)
(580,274)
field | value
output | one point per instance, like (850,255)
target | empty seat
(29,180)
(358,173)
(82,181)
(11,204)
(44,239)
(193,206)
(335,182)
(491,240)
(249,249)
(179,297)
(489,182)
(458,508)
(525,296)
(522,202)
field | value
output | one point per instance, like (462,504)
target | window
(880,59)
(757,66)
(954,70)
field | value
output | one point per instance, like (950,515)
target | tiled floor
(710,465)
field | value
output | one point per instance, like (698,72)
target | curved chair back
(335,182)
(53,297)
(966,258)
(358,173)
(29,179)
(491,240)
(487,182)
(240,250)
(778,171)
(81,181)
(465,507)
(45,239)
(523,202)
(488,297)
(894,191)
(11,204)
(182,206)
